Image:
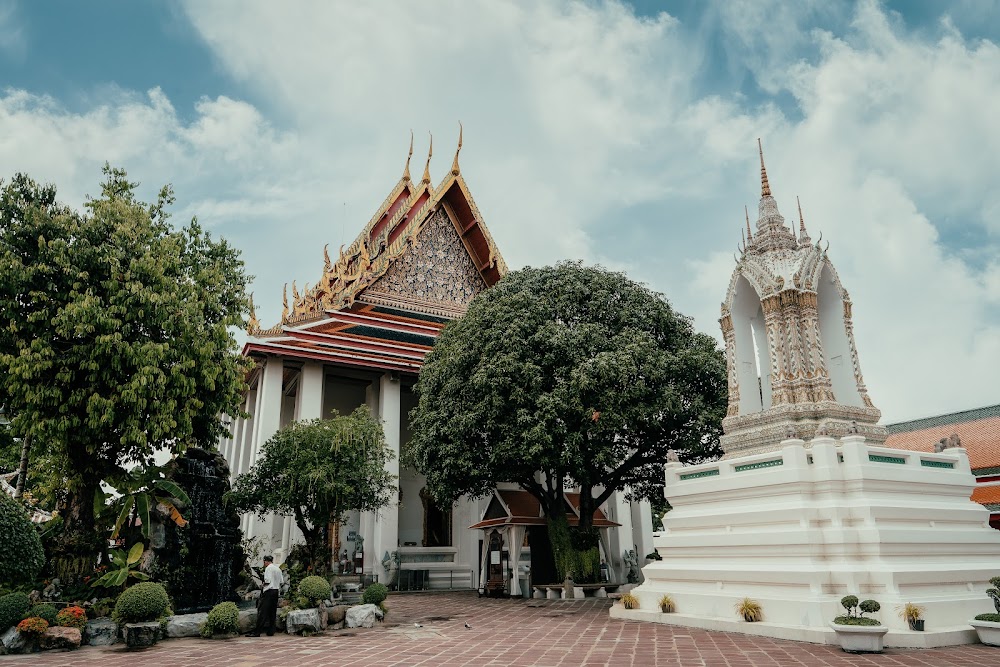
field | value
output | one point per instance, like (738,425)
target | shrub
(12,609)
(72,617)
(666,604)
(224,618)
(315,590)
(629,601)
(33,626)
(992,618)
(140,603)
(21,558)
(44,610)
(870,606)
(854,616)
(375,594)
(911,612)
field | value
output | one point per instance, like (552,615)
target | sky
(619,133)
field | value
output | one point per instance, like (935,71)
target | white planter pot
(861,638)
(989,632)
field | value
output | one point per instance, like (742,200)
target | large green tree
(114,339)
(317,471)
(566,376)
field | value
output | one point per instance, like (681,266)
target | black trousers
(267,611)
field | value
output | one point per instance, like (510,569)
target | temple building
(358,336)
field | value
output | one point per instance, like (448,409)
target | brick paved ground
(504,633)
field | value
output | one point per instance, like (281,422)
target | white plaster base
(798,529)
(953,636)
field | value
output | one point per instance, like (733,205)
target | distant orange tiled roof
(978,429)
(987,495)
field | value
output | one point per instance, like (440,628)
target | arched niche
(751,354)
(833,334)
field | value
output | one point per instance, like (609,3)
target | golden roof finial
(747,214)
(253,324)
(284,303)
(326,256)
(295,293)
(427,167)
(765,189)
(454,164)
(406,170)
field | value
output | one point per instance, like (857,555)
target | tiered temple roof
(381,303)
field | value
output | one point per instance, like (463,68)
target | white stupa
(806,507)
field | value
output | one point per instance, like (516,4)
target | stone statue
(823,430)
(947,443)
(790,433)
(853,428)
(631,561)
(672,456)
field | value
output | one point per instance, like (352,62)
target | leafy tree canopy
(318,471)
(566,376)
(114,334)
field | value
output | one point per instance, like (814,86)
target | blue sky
(619,133)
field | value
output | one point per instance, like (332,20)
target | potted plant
(629,601)
(666,604)
(750,610)
(988,625)
(856,632)
(911,613)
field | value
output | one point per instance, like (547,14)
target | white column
(268,419)
(309,400)
(642,530)
(244,448)
(621,537)
(366,523)
(387,522)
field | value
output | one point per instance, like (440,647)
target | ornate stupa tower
(790,351)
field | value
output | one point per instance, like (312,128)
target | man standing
(267,607)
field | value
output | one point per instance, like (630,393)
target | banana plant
(138,493)
(122,568)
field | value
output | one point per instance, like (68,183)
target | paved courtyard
(504,633)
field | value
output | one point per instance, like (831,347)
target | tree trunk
(75,549)
(22,471)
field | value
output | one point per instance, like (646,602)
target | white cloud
(587,136)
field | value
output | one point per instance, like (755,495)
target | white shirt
(272,577)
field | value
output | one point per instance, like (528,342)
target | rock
(141,635)
(185,625)
(67,638)
(101,632)
(336,614)
(363,616)
(13,641)
(248,620)
(305,620)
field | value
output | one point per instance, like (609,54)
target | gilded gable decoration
(392,233)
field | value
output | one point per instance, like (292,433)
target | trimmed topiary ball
(870,606)
(224,618)
(315,590)
(13,606)
(141,603)
(44,610)
(375,594)
(21,558)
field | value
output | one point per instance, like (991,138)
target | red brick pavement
(505,633)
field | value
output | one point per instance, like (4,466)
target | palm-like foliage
(139,492)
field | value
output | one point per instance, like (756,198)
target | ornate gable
(435,276)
